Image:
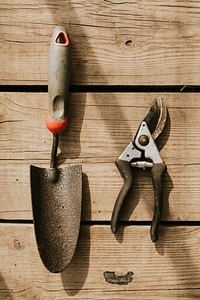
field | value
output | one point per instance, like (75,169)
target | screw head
(143,140)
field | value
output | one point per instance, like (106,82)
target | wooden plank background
(166,270)
(101,126)
(116,46)
(113,42)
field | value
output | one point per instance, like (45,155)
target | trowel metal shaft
(54,150)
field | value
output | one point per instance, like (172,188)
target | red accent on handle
(56,126)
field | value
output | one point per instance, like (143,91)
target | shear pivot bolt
(143,140)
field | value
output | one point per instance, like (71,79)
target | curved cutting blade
(57,214)
(156,117)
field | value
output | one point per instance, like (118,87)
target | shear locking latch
(143,153)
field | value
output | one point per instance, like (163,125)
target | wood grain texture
(101,126)
(168,269)
(113,42)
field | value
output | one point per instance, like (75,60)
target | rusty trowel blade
(56,214)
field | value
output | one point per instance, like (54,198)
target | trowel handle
(58,80)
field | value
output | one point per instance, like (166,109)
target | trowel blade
(56,214)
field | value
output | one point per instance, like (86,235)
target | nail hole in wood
(128,43)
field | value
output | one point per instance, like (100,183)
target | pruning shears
(142,152)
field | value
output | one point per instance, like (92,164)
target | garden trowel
(57,192)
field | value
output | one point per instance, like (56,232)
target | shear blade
(156,117)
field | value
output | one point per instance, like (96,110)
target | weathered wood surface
(101,126)
(113,42)
(168,269)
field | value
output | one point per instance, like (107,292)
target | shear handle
(157,172)
(126,173)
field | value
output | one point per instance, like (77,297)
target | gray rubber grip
(58,74)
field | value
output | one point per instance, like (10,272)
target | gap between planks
(106,88)
(121,223)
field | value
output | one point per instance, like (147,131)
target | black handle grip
(126,173)
(157,172)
